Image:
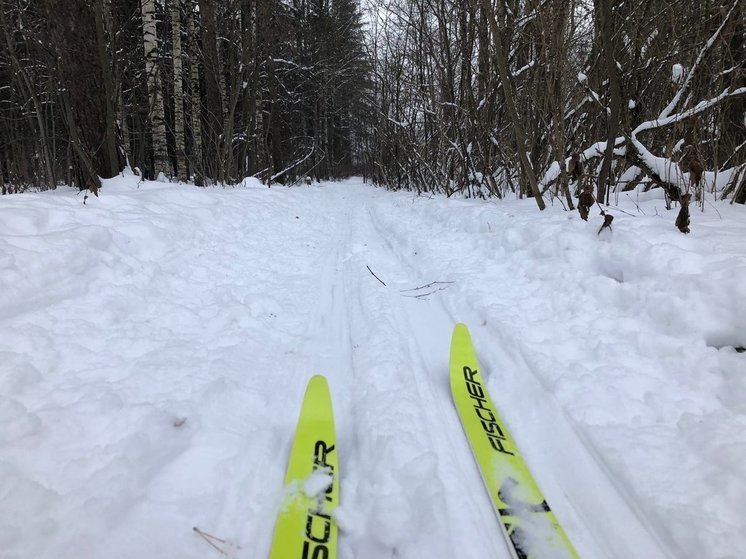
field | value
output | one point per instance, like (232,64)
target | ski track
(275,291)
(428,327)
(573,458)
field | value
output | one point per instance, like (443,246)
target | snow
(628,176)
(677,74)
(318,482)
(155,344)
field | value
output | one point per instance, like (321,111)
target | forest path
(158,387)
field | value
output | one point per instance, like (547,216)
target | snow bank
(633,333)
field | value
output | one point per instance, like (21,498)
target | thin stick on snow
(608,209)
(426,285)
(210,539)
(714,208)
(425,295)
(375,276)
(639,209)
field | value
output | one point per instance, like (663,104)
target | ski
(305,528)
(531,529)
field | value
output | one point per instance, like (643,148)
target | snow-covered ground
(156,342)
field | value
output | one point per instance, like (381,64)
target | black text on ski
(316,543)
(486,416)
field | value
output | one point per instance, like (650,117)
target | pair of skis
(305,526)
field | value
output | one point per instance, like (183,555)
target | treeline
(207,90)
(495,97)
(542,98)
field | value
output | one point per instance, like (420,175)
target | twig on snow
(636,204)
(427,285)
(425,295)
(375,276)
(609,208)
(210,539)
(714,208)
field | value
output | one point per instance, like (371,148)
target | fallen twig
(714,208)
(210,539)
(639,209)
(375,276)
(609,208)
(425,295)
(426,286)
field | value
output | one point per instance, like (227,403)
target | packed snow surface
(156,342)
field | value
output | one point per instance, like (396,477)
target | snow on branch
(664,168)
(523,69)
(298,162)
(700,107)
(679,94)
(596,150)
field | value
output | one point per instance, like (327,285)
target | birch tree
(156,111)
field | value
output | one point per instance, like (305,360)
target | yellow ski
(531,528)
(305,528)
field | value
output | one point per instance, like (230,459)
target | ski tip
(460,329)
(317,383)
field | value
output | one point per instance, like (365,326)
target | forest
(487,98)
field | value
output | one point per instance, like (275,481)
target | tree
(178,96)
(482,98)
(213,110)
(156,112)
(74,33)
(507,87)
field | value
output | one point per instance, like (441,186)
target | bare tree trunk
(30,90)
(156,112)
(213,94)
(248,153)
(179,146)
(72,29)
(238,83)
(607,33)
(110,139)
(505,79)
(554,29)
(196,100)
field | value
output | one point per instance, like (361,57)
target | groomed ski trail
(399,500)
(158,386)
(409,485)
(426,326)
(567,465)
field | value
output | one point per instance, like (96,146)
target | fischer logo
(318,523)
(486,416)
